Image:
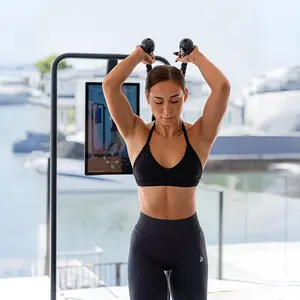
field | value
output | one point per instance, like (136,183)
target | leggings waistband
(161,227)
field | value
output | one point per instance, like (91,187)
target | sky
(242,38)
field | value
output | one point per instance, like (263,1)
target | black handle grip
(186,46)
(148,45)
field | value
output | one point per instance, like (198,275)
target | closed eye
(173,102)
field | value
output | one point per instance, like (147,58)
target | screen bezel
(86,154)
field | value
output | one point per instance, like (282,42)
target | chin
(169,120)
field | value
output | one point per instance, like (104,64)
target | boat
(34,141)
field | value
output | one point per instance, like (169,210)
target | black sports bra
(148,172)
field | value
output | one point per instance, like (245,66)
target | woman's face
(166,100)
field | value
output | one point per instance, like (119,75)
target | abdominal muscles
(168,202)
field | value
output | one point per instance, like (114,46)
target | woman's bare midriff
(168,202)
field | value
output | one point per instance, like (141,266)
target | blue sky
(243,38)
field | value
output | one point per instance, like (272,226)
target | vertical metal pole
(53,178)
(111,63)
(47,258)
(246,206)
(286,221)
(221,224)
(118,274)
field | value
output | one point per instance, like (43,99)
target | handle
(148,46)
(186,46)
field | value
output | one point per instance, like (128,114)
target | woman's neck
(168,130)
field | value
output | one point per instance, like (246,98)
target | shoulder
(196,127)
(195,130)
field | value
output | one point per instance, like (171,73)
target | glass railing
(250,222)
(261,228)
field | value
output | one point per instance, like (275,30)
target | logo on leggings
(201,259)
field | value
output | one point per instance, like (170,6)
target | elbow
(222,88)
(110,85)
(225,87)
(106,84)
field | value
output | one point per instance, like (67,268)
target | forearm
(212,75)
(122,70)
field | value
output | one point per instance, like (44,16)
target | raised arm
(117,103)
(210,121)
(217,101)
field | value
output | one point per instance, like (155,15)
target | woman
(168,156)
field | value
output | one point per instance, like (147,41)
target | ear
(186,94)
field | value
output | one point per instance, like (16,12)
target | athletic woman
(168,156)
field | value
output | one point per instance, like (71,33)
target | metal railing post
(221,224)
(118,274)
(47,257)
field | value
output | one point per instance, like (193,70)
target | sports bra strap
(185,133)
(150,133)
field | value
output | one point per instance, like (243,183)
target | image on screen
(105,149)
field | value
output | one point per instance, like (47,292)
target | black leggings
(177,246)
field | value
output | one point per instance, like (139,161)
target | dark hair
(163,73)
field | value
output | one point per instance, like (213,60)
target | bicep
(120,109)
